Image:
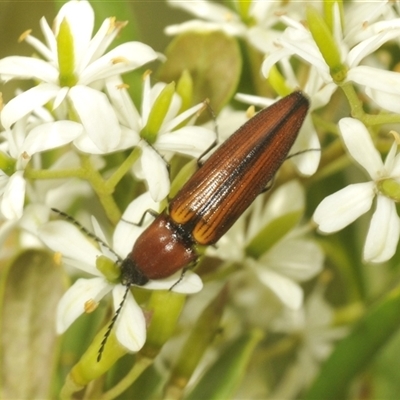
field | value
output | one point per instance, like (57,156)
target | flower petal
(72,304)
(51,135)
(383,233)
(97,116)
(360,146)
(368,46)
(187,283)
(26,102)
(388,101)
(130,327)
(128,230)
(343,207)
(307,144)
(205,9)
(65,238)
(289,292)
(27,68)
(379,79)
(127,113)
(123,58)
(155,173)
(303,261)
(190,140)
(12,201)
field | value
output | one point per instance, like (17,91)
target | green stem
(114,179)
(103,191)
(358,112)
(140,365)
(54,174)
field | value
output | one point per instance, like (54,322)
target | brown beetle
(217,194)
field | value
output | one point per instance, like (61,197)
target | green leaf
(353,354)
(213,60)
(32,291)
(223,378)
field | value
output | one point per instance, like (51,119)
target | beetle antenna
(87,232)
(111,326)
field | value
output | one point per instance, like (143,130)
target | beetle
(212,200)
(217,194)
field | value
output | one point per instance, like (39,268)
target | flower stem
(103,191)
(112,182)
(358,112)
(140,365)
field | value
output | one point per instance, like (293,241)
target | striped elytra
(218,193)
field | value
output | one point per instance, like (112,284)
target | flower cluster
(99,134)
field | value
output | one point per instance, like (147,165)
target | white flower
(72,71)
(79,252)
(254,23)
(289,260)
(171,139)
(313,325)
(381,85)
(345,206)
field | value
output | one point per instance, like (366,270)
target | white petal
(72,304)
(205,9)
(379,79)
(173,119)
(388,101)
(300,43)
(231,29)
(122,58)
(287,290)
(80,18)
(127,230)
(273,59)
(27,68)
(383,233)
(97,116)
(55,196)
(390,160)
(128,140)
(308,144)
(12,202)
(41,48)
(368,46)
(155,173)
(188,283)
(288,198)
(99,43)
(35,215)
(26,102)
(65,238)
(343,207)
(123,104)
(51,135)
(190,140)
(130,327)
(302,262)
(360,146)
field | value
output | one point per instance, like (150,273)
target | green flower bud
(108,268)
(66,55)
(326,44)
(158,113)
(390,188)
